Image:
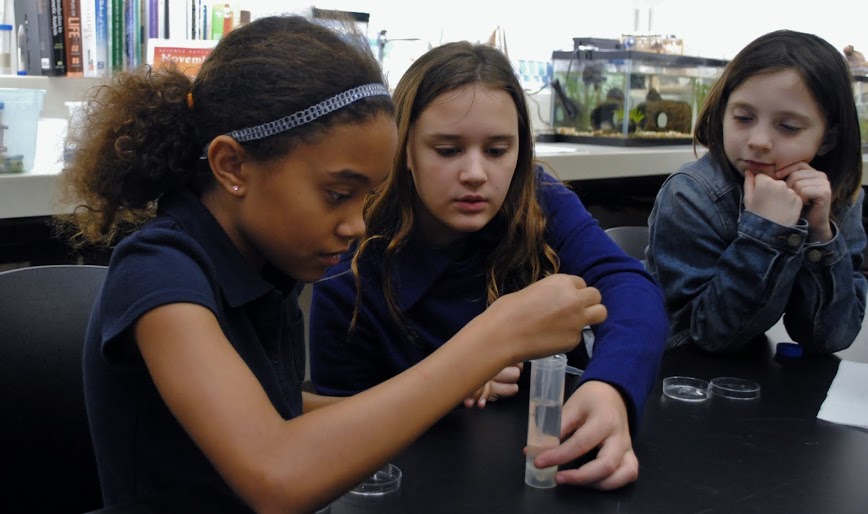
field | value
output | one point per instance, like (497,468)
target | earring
(235,188)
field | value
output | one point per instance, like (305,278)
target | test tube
(5,49)
(544,417)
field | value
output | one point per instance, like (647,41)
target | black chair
(632,239)
(47,462)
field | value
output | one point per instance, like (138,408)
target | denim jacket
(729,275)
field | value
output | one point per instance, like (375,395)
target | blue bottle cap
(791,350)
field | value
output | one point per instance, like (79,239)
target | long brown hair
(145,130)
(522,255)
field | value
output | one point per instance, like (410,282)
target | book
(221,19)
(116,35)
(131,34)
(73,42)
(102,37)
(176,19)
(153,10)
(188,54)
(43,13)
(88,37)
(58,38)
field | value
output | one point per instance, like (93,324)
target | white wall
(536,27)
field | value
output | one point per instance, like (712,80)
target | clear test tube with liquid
(544,416)
(5,49)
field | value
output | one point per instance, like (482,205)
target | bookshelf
(58,90)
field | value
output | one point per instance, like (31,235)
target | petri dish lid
(734,388)
(686,389)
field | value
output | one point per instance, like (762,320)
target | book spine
(176,18)
(102,37)
(203,19)
(218,15)
(117,31)
(73,42)
(43,11)
(58,37)
(141,36)
(129,35)
(88,37)
(162,19)
(153,18)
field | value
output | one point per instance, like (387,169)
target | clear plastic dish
(734,388)
(384,481)
(686,389)
(378,494)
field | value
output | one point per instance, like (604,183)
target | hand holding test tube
(544,416)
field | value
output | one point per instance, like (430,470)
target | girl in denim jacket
(769,222)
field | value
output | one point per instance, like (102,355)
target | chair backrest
(632,239)
(47,463)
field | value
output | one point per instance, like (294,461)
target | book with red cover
(187,53)
(73,43)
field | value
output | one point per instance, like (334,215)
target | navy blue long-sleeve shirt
(439,293)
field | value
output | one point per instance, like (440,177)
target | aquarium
(623,97)
(860,91)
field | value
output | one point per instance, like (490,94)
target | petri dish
(686,389)
(378,494)
(386,480)
(734,388)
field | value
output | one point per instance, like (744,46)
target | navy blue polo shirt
(183,255)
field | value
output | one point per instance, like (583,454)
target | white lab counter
(587,162)
(35,193)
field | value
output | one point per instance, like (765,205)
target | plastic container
(378,494)
(5,49)
(734,388)
(544,416)
(686,389)
(21,109)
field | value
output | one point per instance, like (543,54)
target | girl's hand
(502,385)
(544,318)
(815,191)
(595,416)
(772,199)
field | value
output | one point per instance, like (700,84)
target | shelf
(58,90)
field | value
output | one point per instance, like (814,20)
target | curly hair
(144,132)
(521,256)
